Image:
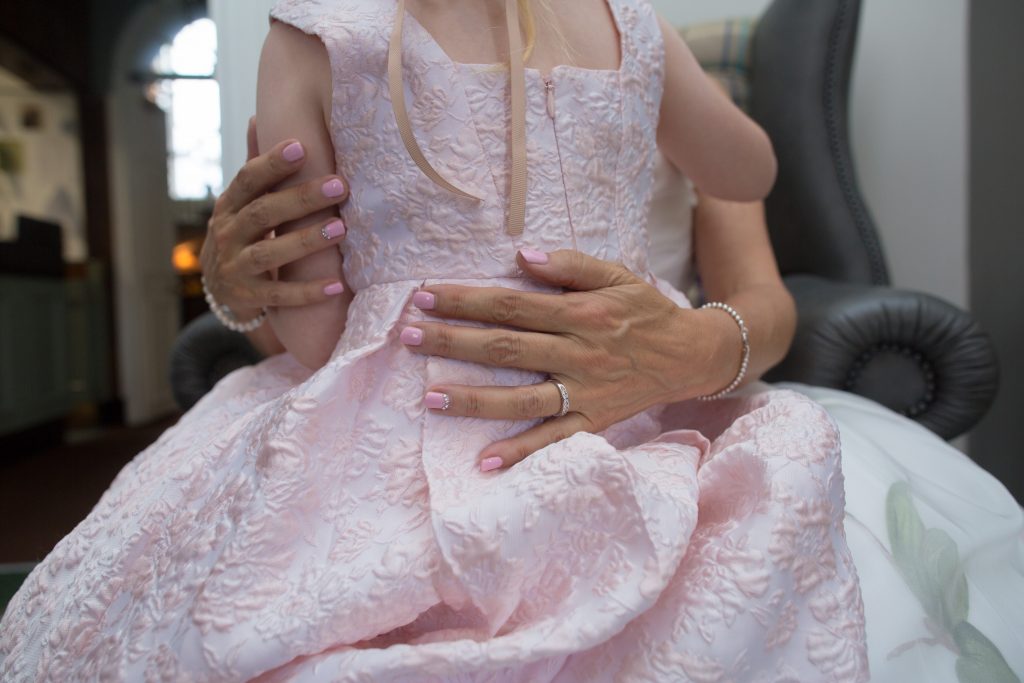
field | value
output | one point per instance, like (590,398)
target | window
(186,90)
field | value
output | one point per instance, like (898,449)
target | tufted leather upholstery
(914,353)
(204,352)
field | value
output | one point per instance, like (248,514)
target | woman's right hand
(237,257)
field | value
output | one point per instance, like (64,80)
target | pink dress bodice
(590,153)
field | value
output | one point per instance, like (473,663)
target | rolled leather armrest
(914,353)
(204,352)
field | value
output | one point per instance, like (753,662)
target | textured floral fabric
(322,526)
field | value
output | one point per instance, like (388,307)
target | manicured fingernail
(424,300)
(413,336)
(435,400)
(334,289)
(334,188)
(533,256)
(293,152)
(490,464)
(332,230)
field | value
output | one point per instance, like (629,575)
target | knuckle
(310,239)
(245,181)
(308,196)
(472,404)
(507,308)
(219,207)
(609,363)
(604,318)
(518,452)
(444,341)
(312,294)
(504,350)
(623,275)
(586,311)
(529,403)
(274,297)
(258,214)
(278,166)
(260,257)
(576,266)
(221,243)
(456,303)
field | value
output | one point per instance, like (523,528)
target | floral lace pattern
(301,525)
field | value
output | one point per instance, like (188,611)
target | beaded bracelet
(745,360)
(227,317)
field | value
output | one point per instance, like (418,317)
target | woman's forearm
(737,267)
(770,317)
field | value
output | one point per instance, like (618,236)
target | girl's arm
(294,101)
(705,135)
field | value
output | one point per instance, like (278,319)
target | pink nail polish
(293,152)
(435,400)
(424,300)
(413,336)
(333,229)
(533,256)
(334,289)
(490,464)
(333,188)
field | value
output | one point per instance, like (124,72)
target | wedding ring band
(564,393)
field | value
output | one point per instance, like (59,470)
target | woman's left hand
(614,341)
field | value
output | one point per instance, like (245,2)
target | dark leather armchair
(912,352)
(909,351)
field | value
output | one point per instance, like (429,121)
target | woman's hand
(237,258)
(617,344)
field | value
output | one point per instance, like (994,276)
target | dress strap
(517,191)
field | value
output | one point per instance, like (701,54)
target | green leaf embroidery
(929,561)
(980,660)
(944,578)
(906,534)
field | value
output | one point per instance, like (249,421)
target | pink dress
(322,526)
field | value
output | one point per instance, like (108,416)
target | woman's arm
(705,135)
(294,100)
(737,266)
(237,258)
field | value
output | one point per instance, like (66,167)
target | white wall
(908,120)
(909,124)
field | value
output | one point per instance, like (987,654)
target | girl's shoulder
(327,18)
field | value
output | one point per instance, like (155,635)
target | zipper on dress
(549,91)
(549,88)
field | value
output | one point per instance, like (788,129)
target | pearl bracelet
(227,317)
(745,359)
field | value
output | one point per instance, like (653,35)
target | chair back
(790,70)
(802,56)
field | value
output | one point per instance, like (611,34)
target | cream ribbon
(516,218)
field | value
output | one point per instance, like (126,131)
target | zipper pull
(549,87)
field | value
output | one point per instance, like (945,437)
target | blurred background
(121,120)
